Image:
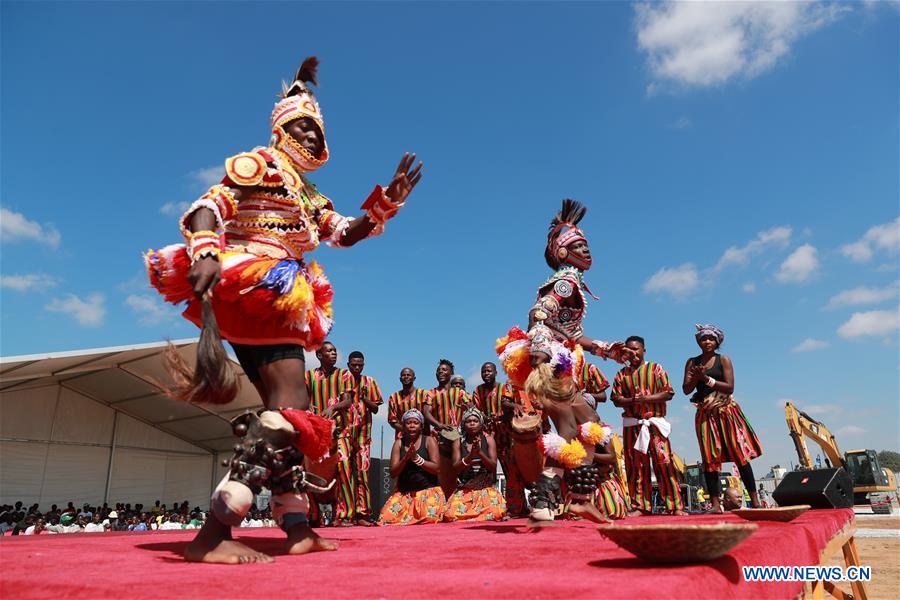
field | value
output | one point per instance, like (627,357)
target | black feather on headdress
(571,213)
(307,73)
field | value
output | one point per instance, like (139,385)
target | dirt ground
(882,554)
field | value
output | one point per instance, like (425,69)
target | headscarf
(413,414)
(710,329)
(472,412)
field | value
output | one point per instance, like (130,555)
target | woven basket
(675,543)
(780,513)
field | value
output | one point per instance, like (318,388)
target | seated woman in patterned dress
(414,463)
(475,464)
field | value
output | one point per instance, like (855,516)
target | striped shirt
(591,379)
(649,378)
(325,390)
(373,394)
(447,405)
(489,401)
(399,404)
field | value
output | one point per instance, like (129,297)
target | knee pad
(231,501)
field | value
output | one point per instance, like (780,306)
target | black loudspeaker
(820,488)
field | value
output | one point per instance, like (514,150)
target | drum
(525,453)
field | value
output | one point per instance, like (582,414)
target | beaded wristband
(379,207)
(203,244)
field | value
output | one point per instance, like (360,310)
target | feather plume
(571,212)
(308,71)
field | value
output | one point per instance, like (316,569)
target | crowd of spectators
(17,519)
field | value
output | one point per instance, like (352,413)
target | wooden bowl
(676,543)
(779,513)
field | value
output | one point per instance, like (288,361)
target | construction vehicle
(872,484)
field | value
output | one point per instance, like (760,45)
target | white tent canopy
(94,426)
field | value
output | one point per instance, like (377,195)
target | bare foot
(636,513)
(213,544)
(587,511)
(303,540)
(539,524)
(226,552)
(678,513)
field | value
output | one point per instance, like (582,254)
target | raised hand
(405,179)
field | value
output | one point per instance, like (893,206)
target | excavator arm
(801,425)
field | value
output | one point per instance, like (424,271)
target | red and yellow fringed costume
(268,215)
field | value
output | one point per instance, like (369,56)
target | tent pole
(112,452)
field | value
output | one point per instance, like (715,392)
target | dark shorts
(254,357)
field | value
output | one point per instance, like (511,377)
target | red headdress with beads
(298,101)
(564,232)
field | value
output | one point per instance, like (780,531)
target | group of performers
(244,277)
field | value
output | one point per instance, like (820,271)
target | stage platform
(475,560)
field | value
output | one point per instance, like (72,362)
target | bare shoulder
(726,361)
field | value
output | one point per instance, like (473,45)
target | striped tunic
(447,405)
(489,401)
(373,394)
(399,404)
(591,379)
(649,378)
(325,390)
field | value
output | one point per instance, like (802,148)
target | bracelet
(464,463)
(379,207)
(204,243)
(418,461)
(710,382)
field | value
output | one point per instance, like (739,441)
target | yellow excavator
(863,466)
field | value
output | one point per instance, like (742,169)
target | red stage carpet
(478,560)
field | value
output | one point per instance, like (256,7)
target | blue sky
(740,164)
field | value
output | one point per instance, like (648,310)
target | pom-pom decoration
(569,454)
(594,434)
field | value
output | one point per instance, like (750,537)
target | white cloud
(776,236)
(679,282)
(809,344)
(89,312)
(880,237)
(150,310)
(863,295)
(710,43)
(23,283)
(871,323)
(15,226)
(800,266)
(850,430)
(749,287)
(207,177)
(174,209)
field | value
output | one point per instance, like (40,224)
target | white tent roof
(126,378)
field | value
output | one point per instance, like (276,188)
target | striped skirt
(724,433)
(609,498)
(414,508)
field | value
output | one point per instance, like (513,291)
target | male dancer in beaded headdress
(243,269)
(544,362)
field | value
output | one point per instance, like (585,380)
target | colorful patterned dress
(418,498)
(724,433)
(476,498)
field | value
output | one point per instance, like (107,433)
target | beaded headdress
(564,232)
(298,101)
